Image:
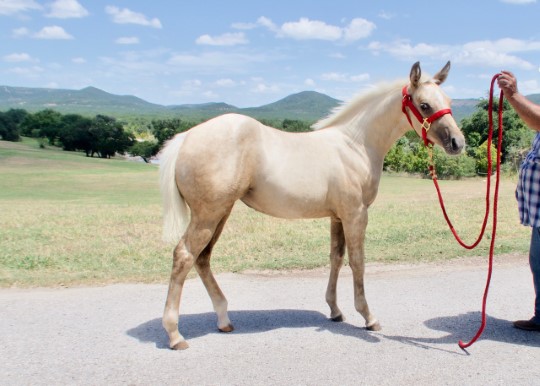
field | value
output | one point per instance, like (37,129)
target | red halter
(426,122)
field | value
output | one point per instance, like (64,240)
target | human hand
(507,83)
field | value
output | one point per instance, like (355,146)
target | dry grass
(67,219)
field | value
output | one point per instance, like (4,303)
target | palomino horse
(333,171)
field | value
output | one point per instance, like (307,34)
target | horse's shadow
(460,327)
(248,322)
(464,327)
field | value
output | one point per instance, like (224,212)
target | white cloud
(499,53)
(12,7)
(309,82)
(225,82)
(484,56)
(66,9)
(386,16)
(193,83)
(126,16)
(529,86)
(29,72)
(78,60)
(518,1)
(210,95)
(306,29)
(227,39)
(358,29)
(341,77)
(127,40)
(244,26)
(404,50)
(52,32)
(338,55)
(266,22)
(18,57)
(20,32)
(215,61)
(263,88)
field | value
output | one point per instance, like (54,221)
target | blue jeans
(534,261)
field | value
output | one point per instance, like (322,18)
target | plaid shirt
(528,187)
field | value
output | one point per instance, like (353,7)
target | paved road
(112,335)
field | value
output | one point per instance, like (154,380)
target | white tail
(175,209)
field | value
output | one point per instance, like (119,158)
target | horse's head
(432,107)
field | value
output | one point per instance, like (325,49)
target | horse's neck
(378,127)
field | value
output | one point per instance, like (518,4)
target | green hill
(90,101)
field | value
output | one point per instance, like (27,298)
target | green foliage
(9,124)
(144,149)
(453,167)
(43,124)
(102,135)
(109,137)
(74,132)
(295,126)
(481,158)
(515,132)
(411,156)
(163,129)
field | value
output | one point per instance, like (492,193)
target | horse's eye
(424,106)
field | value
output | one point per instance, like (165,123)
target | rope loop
(433,174)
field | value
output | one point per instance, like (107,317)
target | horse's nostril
(455,145)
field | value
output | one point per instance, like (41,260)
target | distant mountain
(87,101)
(462,108)
(306,105)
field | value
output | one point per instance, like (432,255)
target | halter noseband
(426,122)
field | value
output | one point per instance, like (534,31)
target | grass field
(66,219)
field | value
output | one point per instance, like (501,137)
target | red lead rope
(426,123)
(495,203)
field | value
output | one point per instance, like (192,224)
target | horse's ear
(416,73)
(442,75)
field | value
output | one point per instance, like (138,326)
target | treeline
(105,136)
(102,135)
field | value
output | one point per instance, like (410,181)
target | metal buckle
(426,125)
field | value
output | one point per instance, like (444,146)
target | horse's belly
(286,206)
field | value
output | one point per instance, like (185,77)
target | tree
(163,129)
(515,132)
(144,149)
(107,137)
(481,158)
(10,122)
(295,126)
(43,124)
(74,132)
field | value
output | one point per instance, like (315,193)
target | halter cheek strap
(426,122)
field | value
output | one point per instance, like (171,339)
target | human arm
(528,111)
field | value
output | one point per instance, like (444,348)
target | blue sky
(249,53)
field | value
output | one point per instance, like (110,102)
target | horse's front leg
(337,250)
(355,232)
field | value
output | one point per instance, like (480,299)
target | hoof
(374,327)
(227,328)
(182,345)
(339,318)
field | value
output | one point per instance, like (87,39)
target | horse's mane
(379,94)
(347,111)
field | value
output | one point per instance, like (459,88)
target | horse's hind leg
(196,238)
(202,264)
(337,252)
